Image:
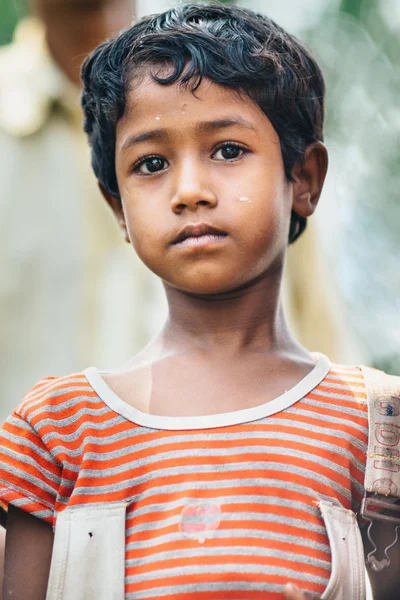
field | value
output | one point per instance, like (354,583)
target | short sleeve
(29,475)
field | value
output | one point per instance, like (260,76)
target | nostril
(203,202)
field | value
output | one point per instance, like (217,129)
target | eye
(229,152)
(150,165)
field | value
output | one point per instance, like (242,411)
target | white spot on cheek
(244,199)
(158,117)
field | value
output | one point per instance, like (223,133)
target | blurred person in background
(64,268)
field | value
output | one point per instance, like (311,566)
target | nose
(192,189)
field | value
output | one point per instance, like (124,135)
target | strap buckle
(372,508)
(370,503)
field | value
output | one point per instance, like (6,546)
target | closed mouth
(200,240)
(198,234)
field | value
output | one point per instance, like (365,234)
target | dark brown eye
(153,164)
(228,152)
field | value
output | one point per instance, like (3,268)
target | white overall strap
(348,572)
(88,559)
(382,474)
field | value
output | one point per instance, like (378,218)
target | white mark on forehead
(158,117)
(244,199)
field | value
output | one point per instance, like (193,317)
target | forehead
(150,104)
(149,92)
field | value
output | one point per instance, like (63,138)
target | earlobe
(116,206)
(309,177)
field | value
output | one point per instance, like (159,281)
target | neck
(246,320)
(74,29)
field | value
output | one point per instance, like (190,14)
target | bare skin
(28,555)
(2,553)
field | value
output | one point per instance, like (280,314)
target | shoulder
(347,383)
(54,398)
(362,376)
(368,385)
(351,374)
(54,418)
(38,447)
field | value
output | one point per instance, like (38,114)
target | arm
(2,549)
(386,583)
(29,544)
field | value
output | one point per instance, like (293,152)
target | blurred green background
(10,12)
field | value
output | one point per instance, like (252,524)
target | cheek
(143,242)
(148,242)
(267,238)
(265,214)
(140,228)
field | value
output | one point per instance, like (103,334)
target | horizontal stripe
(239,485)
(257,518)
(312,400)
(202,588)
(230,461)
(327,419)
(20,493)
(199,473)
(235,552)
(224,568)
(211,512)
(8,455)
(217,445)
(18,437)
(11,473)
(260,536)
(271,431)
(113,421)
(86,402)
(259,502)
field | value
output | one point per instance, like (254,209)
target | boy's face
(211,162)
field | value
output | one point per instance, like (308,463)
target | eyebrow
(201,128)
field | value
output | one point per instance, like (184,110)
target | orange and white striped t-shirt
(222,506)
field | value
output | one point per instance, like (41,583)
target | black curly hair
(231,46)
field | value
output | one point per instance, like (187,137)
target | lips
(198,230)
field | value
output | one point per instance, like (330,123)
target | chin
(206,287)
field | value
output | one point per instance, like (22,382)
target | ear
(116,206)
(309,177)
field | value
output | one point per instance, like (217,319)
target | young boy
(225,460)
